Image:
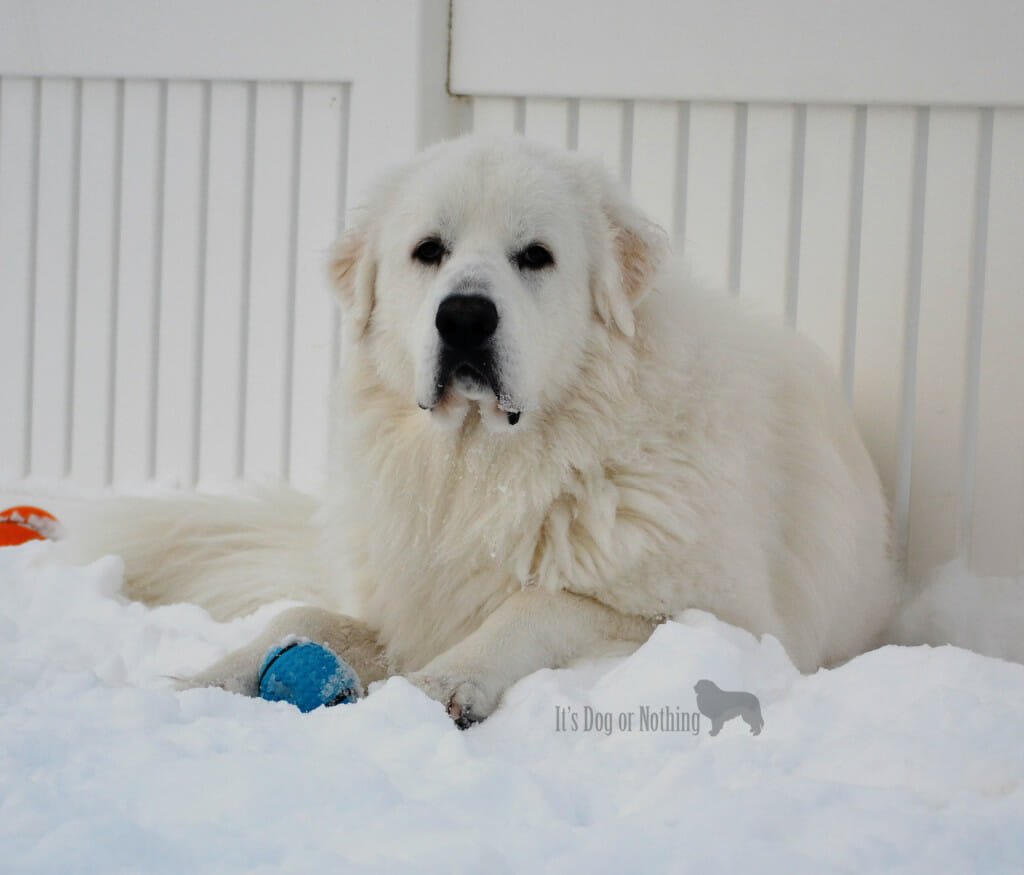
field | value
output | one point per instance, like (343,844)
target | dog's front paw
(467,700)
(238,672)
(233,683)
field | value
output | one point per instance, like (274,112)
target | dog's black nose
(466,321)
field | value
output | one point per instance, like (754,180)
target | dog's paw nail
(462,716)
(463,700)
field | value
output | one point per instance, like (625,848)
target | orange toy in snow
(18,525)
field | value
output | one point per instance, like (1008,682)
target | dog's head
(478,273)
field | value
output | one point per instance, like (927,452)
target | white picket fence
(171,175)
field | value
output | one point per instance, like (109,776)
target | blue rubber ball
(307,675)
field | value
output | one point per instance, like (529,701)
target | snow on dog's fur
(615,446)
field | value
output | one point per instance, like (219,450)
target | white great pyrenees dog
(546,441)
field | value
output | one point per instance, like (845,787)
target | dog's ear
(634,249)
(353,273)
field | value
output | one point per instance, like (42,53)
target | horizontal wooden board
(872,51)
(229,39)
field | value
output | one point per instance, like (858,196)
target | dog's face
(480,271)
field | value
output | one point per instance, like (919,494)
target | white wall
(172,174)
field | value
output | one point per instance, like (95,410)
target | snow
(984,614)
(907,759)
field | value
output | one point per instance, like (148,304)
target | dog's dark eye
(430,251)
(534,257)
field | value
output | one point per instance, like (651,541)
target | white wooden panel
(825,228)
(710,179)
(935,492)
(223,281)
(269,303)
(18,175)
(599,132)
(496,116)
(997,537)
(915,51)
(397,74)
(653,174)
(879,365)
(547,120)
(136,283)
(323,116)
(172,220)
(182,188)
(142,305)
(95,282)
(231,39)
(768,184)
(52,286)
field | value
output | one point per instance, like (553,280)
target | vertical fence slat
(884,278)
(74,243)
(323,108)
(52,269)
(599,132)
(181,274)
(737,201)
(824,231)
(496,115)
(547,120)
(855,231)
(294,207)
(136,293)
(241,320)
(223,279)
(767,190)
(997,536)
(794,213)
(17,160)
(652,178)
(95,282)
(973,318)
(270,281)
(341,207)
(710,178)
(935,490)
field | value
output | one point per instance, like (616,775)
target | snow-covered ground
(903,760)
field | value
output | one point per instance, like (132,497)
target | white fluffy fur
(671,452)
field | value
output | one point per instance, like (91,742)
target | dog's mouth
(463,378)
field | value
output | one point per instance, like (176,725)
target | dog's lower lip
(471,372)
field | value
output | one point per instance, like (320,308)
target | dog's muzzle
(466,325)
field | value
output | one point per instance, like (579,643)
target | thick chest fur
(439,529)
(736,485)
(436,532)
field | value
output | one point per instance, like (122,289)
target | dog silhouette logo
(720,706)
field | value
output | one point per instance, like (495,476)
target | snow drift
(904,759)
